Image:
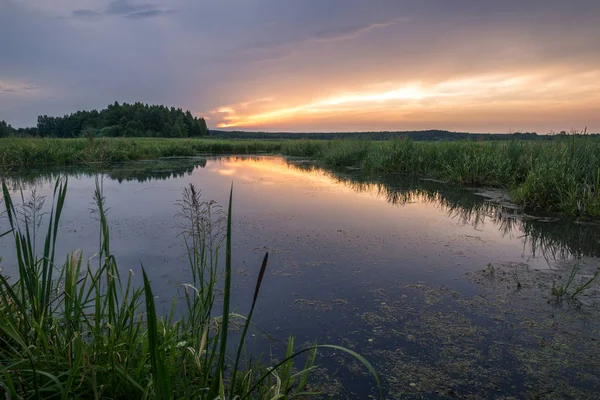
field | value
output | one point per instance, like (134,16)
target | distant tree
(125,119)
(5,129)
(180,128)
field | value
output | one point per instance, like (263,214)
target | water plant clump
(80,330)
(572,289)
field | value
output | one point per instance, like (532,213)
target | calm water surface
(370,263)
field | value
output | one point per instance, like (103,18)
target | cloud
(126,9)
(415,101)
(350,32)
(18,88)
(148,14)
(85,13)
(4,87)
(329,35)
(279,50)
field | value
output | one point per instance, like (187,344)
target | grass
(570,288)
(561,175)
(17,153)
(70,330)
(556,176)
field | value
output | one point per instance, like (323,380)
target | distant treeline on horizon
(143,120)
(116,120)
(432,134)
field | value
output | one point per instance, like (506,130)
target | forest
(116,120)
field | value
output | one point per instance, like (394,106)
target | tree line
(425,135)
(130,120)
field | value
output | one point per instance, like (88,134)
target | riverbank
(555,176)
(34,152)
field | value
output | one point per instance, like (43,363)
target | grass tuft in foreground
(74,330)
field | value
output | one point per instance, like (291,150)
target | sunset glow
(310,66)
(408,104)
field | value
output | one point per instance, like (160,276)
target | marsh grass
(555,176)
(552,175)
(77,329)
(15,152)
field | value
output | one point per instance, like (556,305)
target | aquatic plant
(491,270)
(569,288)
(70,330)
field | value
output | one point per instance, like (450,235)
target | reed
(560,175)
(76,330)
(556,176)
(18,152)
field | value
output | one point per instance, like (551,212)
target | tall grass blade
(226,297)
(161,380)
(354,354)
(261,274)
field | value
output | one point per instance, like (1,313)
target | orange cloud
(416,102)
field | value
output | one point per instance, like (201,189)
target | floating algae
(512,339)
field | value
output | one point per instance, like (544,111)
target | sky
(309,65)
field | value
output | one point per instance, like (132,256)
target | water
(396,269)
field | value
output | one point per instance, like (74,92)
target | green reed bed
(559,175)
(78,329)
(556,175)
(30,152)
